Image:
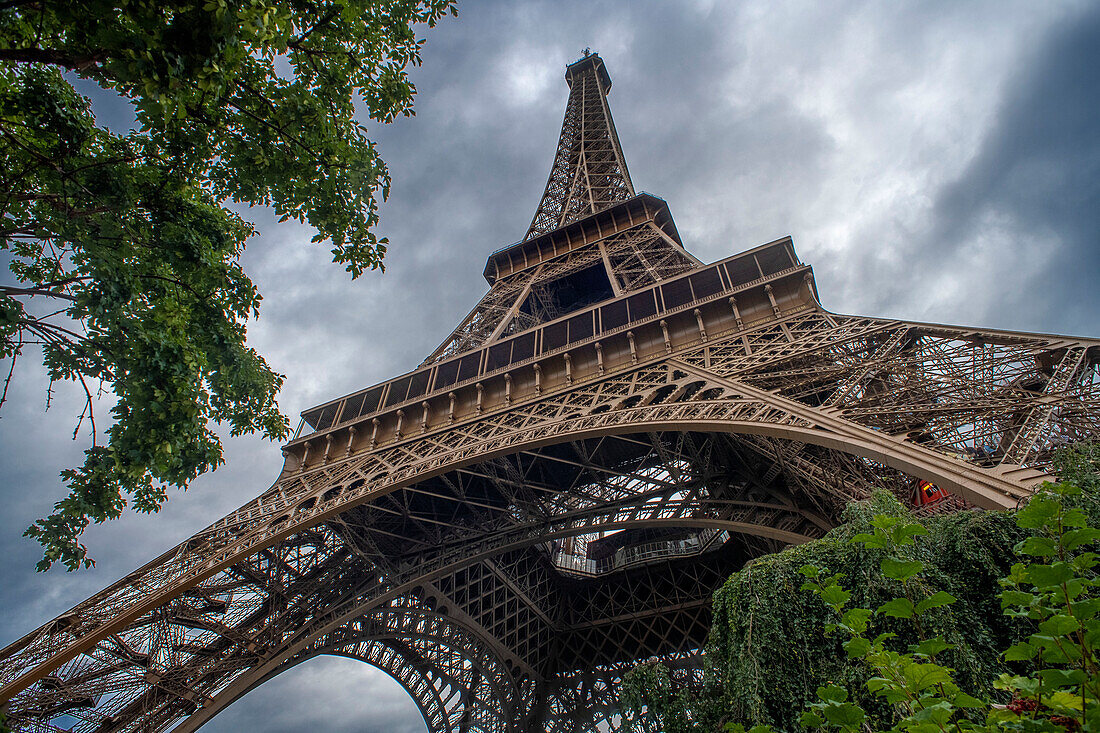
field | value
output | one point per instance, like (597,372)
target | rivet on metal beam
(699,320)
(664,332)
(633,347)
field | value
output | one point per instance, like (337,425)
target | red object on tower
(928,493)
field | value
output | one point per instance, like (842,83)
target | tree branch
(51,57)
(16,3)
(88,410)
(12,290)
(14,357)
(325,20)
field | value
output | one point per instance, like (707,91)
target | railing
(626,557)
(456,372)
(637,194)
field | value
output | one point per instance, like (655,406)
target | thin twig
(14,356)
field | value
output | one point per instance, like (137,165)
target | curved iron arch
(718,416)
(431,704)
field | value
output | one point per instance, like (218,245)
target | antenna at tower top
(590,62)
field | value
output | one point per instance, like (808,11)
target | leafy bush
(902,616)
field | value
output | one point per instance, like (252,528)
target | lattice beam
(555,494)
(589,171)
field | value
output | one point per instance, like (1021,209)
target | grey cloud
(332,694)
(1037,175)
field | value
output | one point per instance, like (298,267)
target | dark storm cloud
(933,161)
(1037,177)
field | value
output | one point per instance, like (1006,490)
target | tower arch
(554,493)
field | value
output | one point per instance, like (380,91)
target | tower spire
(589,172)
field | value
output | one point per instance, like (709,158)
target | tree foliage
(977,621)
(123,246)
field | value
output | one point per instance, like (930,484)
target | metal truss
(637,257)
(475,510)
(589,171)
(509,540)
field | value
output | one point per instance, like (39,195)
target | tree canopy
(123,246)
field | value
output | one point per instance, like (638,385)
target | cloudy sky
(933,161)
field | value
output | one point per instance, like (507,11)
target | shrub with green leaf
(976,621)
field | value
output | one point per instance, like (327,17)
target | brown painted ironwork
(555,493)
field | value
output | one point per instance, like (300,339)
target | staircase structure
(553,495)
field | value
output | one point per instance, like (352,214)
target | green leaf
(832,693)
(835,596)
(1085,561)
(856,619)
(1019,652)
(877,684)
(846,714)
(937,599)
(1064,701)
(1062,677)
(140,227)
(963,700)
(1074,538)
(884,521)
(1016,598)
(1086,610)
(810,719)
(1048,576)
(1026,686)
(1059,625)
(898,569)
(935,713)
(1074,518)
(931,647)
(921,676)
(1038,513)
(1003,717)
(903,534)
(898,608)
(877,540)
(1037,547)
(857,647)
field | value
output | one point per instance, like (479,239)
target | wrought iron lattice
(589,171)
(555,493)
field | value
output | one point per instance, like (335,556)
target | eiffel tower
(553,495)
